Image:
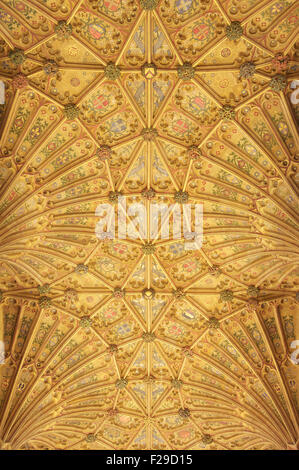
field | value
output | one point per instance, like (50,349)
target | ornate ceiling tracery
(124,344)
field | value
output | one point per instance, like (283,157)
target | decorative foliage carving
(234,30)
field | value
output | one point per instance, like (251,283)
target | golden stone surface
(149,100)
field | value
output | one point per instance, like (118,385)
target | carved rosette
(214,270)
(148,193)
(234,30)
(113,196)
(45,302)
(63,29)
(194,153)
(149,379)
(45,289)
(119,293)
(50,67)
(149,4)
(91,438)
(112,349)
(121,383)
(181,197)
(187,351)
(104,153)
(148,248)
(85,322)
(206,439)
(186,71)
(71,111)
(178,293)
(280,62)
(112,71)
(176,383)
(19,81)
(227,112)
(278,83)
(226,295)
(17,56)
(81,269)
(253,291)
(70,295)
(247,70)
(184,413)
(213,323)
(148,294)
(112,412)
(148,337)
(149,133)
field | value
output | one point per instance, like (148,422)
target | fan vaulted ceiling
(120,344)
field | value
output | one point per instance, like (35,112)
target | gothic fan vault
(120,344)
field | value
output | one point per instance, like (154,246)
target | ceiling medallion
(81,269)
(178,293)
(187,351)
(149,70)
(104,153)
(148,193)
(234,30)
(247,70)
(148,294)
(91,438)
(121,383)
(149,133)
(149,4)
(63,29)
(70,295)
(85,322)
(186,71)
(50,67)
(176,383)
(113,196)
(19,81)
(194,152)
(280,62)
(71,111)
(17,56)
(112,71)
(149,379)
(206,439)
(213,323)
(119,293)
(45,302)
(184,413)
(181,196)
(226,295)
(148,337)
(214,270)
(227,112)
(112,348)
(278,83)
(148,248)
(44,289)
(112,412)
(253,291)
